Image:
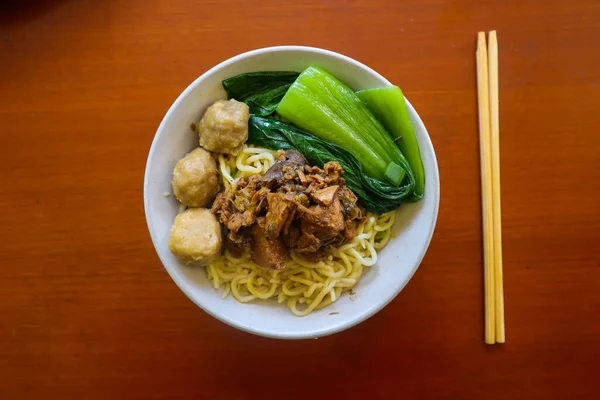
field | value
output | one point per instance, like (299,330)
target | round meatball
(196,179)
(224,126)
(196,237)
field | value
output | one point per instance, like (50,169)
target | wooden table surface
(87,310)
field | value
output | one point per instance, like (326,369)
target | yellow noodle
(303,285)
(226,290)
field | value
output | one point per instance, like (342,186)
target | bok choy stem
(389,106)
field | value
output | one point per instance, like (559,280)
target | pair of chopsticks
(489,138)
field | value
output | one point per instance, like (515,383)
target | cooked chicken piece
(352,213)
(315,182)
(259,199)
(348,199)
(266,252)
(279,211)
(329,217)
(234,223)
(333,172)
(347,195)
(350,229)
(325,196)
(307,243)
(241,238)
(237,242)
(326,223)
(293,234)
(288,222)
(239,209)
(302,177)
(222,207)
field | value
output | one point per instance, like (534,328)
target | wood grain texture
(86,308)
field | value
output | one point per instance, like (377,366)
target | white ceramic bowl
(398,261)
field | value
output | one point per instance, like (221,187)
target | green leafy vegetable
(262,91)
(322,105)
(389,107)
(376,195)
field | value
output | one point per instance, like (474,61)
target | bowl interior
(397,261)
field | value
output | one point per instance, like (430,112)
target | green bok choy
(389,107)
(322,105)
(261,91)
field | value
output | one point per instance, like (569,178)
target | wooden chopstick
(497,216)
(486,187)
(489,138)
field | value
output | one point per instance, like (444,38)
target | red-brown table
(87,310)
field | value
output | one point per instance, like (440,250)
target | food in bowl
(224,126)
(196,179)
(310,175)
(195,236)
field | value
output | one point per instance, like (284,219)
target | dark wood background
(86,308)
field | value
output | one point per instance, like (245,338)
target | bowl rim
(317,332)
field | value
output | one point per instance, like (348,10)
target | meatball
(224,126)
(196,237)
(196,179)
